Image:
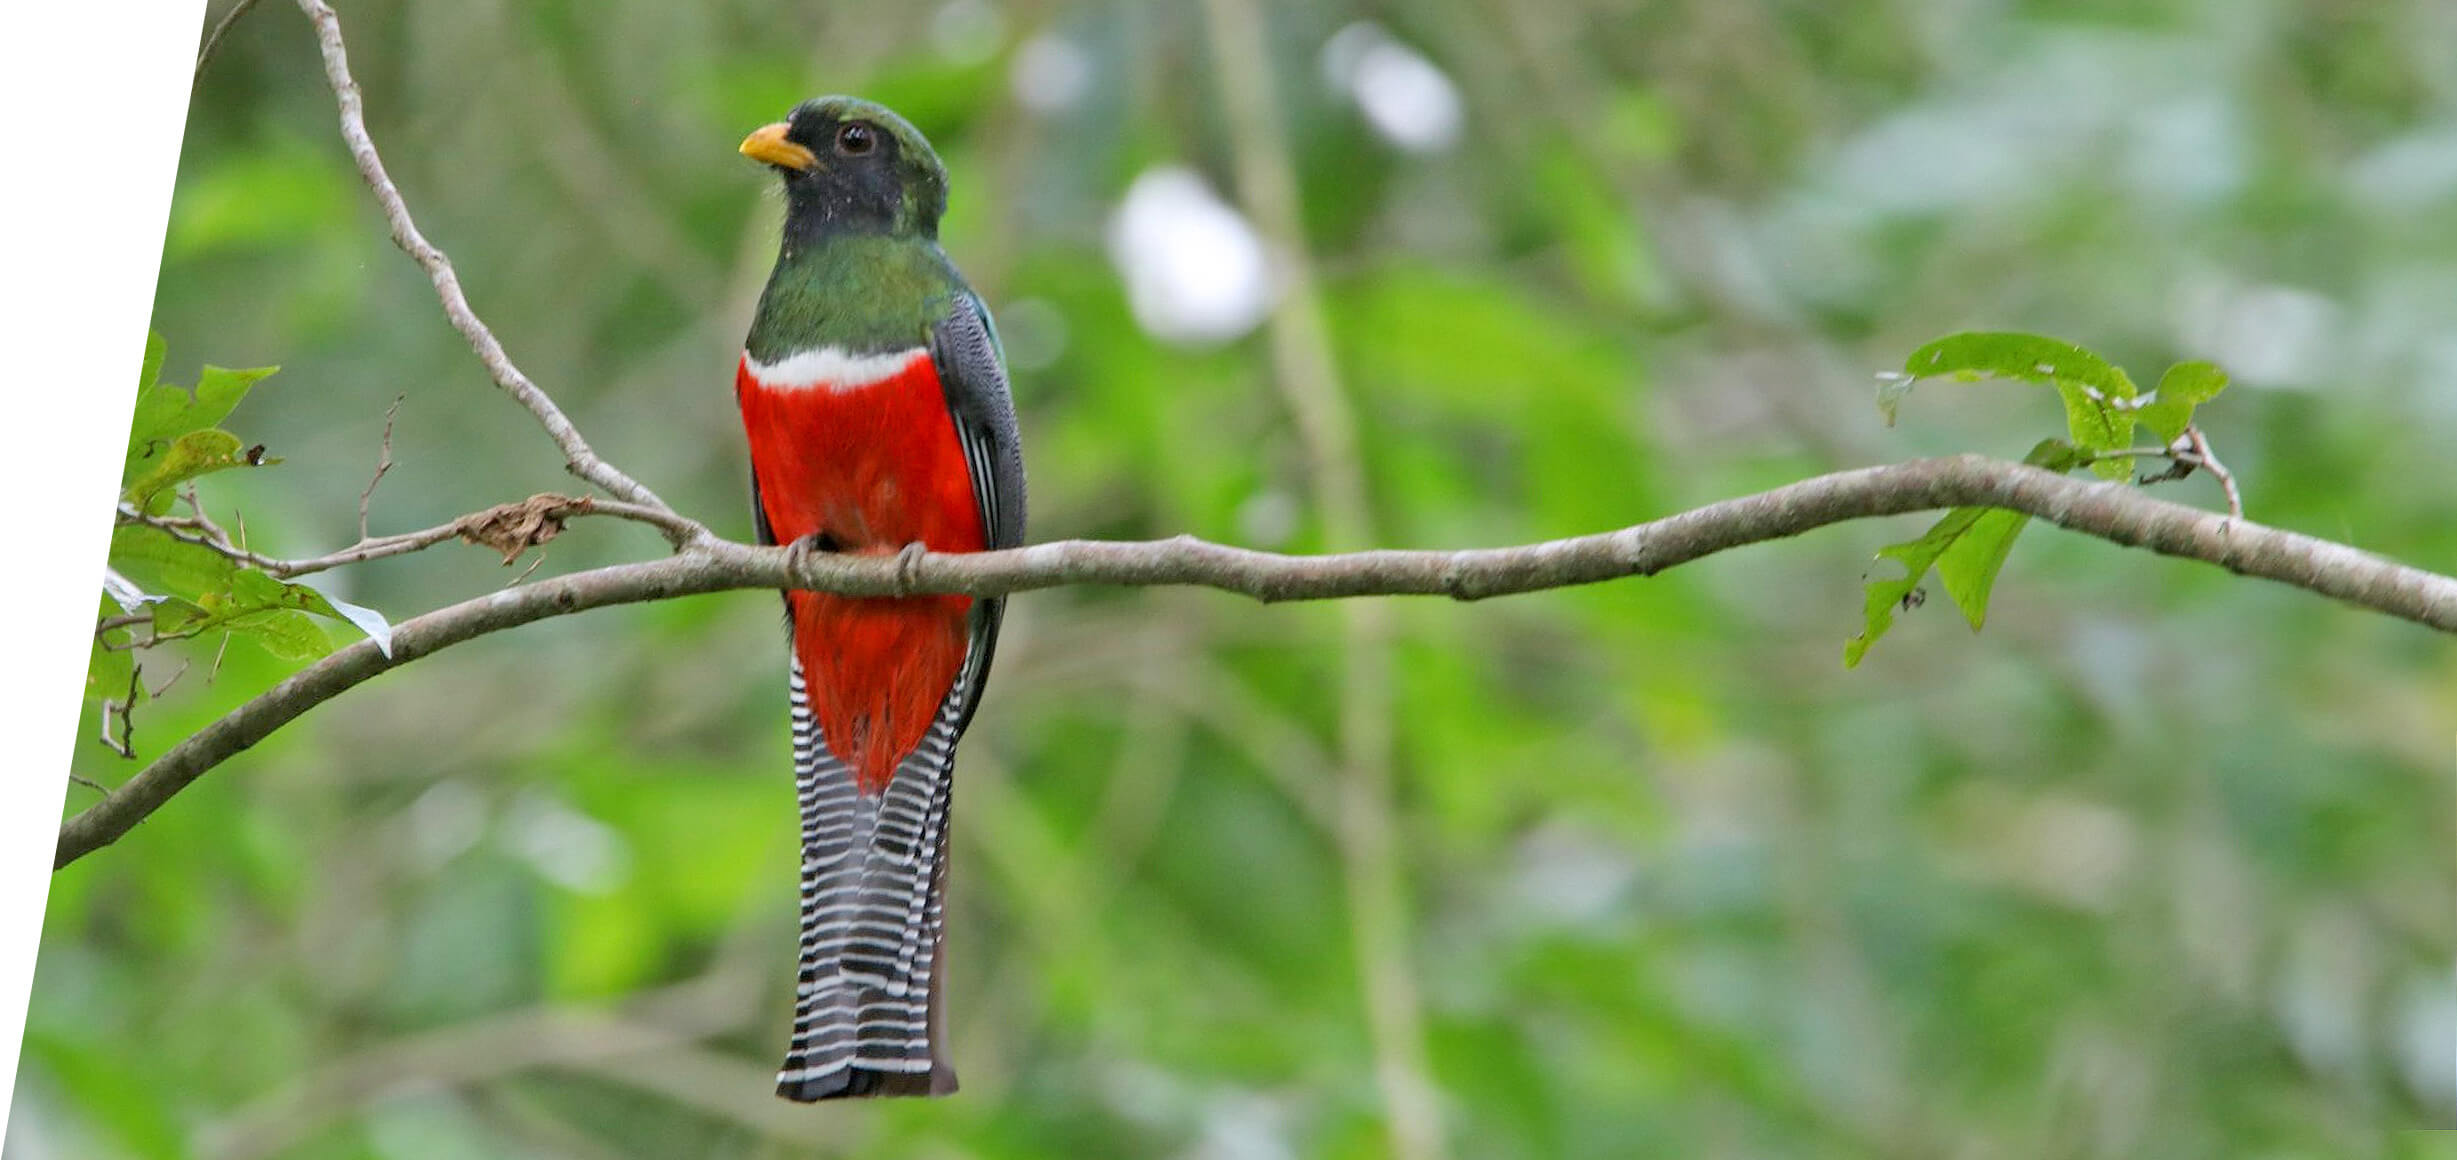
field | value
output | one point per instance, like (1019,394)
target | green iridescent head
(852,166)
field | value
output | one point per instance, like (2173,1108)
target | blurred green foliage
(2159,866)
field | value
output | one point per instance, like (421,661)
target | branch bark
(2109,511)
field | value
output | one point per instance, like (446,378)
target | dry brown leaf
(514,528)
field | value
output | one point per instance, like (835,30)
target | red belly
(874,467)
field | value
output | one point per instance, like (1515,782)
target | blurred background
(2158,865)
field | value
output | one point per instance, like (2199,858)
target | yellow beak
(768,144)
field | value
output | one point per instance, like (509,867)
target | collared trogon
(874,395)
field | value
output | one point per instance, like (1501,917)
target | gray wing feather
(972,370)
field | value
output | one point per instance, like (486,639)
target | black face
(862,179)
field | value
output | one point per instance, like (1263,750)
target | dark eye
(856,139)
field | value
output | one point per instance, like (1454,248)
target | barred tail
(867,1018)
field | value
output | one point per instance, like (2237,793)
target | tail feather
(867,1013)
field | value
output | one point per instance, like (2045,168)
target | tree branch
(577,456)
(213,39)
(204,533)
(2109,511)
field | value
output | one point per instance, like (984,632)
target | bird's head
(852,166)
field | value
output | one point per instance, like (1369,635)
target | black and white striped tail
(867,1017)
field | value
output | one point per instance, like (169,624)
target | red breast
(862,449)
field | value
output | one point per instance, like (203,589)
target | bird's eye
(856,139)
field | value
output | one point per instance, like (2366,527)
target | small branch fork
(2217,470)
(2187,453)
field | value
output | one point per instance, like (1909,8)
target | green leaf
(162,564)
(206,591)
(1976,355)
(253,604)
(2095,426)
(108,670)
(1969,565)
(187,457)
(1882,597)
(158,409)
(1967,548)
(285,632)
(2185,386)
(288,634)
(2087,383)
(179,616)
(152,371)
(267,617)
(2054,455)
(218,391)
(164,412)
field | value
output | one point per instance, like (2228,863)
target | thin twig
(205,534)
(198,518)
(213,39)
(2226,478)
(2181,462)
(525,573)
(365,550)
(383,463)
(89,783)
(156,693)
(2188,453)
(577,456)
(198,531)
(123,709)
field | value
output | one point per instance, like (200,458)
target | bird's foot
(798,553)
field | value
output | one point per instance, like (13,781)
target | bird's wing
(972,371)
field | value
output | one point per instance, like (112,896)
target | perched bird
(874,393)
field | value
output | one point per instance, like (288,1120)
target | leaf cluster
(1967,547)
(180,577)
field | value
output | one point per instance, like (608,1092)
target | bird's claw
(797,553)
(908,567)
